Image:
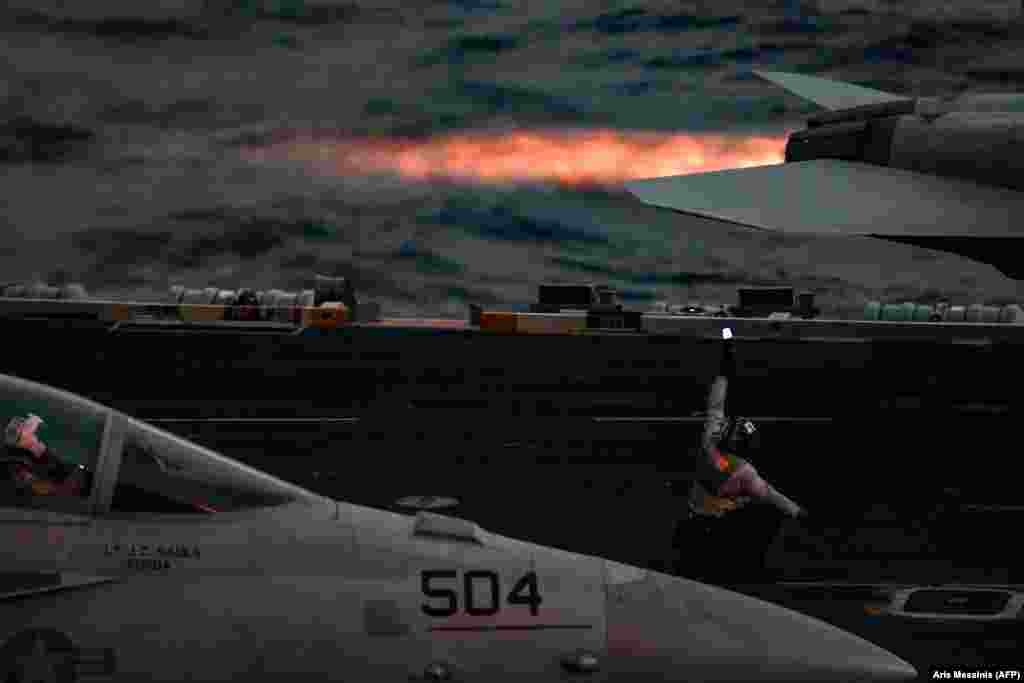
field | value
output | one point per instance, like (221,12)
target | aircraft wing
(828,196)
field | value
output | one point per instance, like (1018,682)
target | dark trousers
(727,550)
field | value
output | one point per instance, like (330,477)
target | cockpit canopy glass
(162,473)
(51,445)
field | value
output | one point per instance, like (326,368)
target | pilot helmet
(13,432)
(16,449)
(740,437)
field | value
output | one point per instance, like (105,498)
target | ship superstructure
(576,352)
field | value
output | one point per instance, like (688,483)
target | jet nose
(690,631)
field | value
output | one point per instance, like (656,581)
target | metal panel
(433,525)
(201,313)
(498,321)
(551,323)
(107,464)
(980,147)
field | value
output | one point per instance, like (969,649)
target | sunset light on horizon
(602,157)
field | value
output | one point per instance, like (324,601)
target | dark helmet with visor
(740,437)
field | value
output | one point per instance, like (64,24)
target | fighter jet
(940,173)
(127,553)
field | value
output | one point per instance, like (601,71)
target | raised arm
(715,411)
(726,372)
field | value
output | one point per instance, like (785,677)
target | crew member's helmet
(740,437)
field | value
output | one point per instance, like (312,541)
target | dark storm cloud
(905,43)
(644,277)
(295,227)
(463,49)
(512,223)
(296,11)
(636,19)
(116,246)
(415,121)
(499,98)
(247,236)
(380,106)
(1007,74)
(184,112)
(202,235)
(128,29)
(604,58)
(218,19)
(113,247)
(192,113)
(481,6)
(465,103)
(426,260)
(684,59)
(471,294)
(302,260)
(637,87)
(25,139)
(888,51)
(448,23)
(247,242)
(803,24)
(888,54)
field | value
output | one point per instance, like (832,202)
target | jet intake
(840,141)
(866,141)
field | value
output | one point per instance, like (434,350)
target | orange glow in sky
(582,157)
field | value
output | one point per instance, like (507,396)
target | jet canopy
(65,453)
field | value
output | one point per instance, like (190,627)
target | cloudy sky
(441,152)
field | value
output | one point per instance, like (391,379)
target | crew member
(723,480)
(35,468)
(718,541)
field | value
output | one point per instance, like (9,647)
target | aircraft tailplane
(833,197)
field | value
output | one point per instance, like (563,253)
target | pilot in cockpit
(34,467)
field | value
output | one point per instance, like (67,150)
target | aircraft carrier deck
(575,428)
(510,410)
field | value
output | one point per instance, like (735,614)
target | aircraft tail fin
(827,93)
